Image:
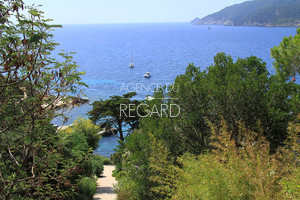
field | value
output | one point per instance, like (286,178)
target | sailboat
(131,65)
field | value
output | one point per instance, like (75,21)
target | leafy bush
(97,163)
(79,141)
(105,160)
(132,166)
(146,170)
(243,171)
(86,187)
(87,167)
(32,161)
(120,175)
(291,155)
(80,138)
(291,185)
(125,189)
(241,91)
(163,172)
(86,127)
(76,145)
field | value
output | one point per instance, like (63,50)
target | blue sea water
(165,49)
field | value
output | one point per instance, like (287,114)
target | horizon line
(94,23)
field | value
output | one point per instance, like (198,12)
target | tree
(238,91)
(287,56)
(117,112)
(32,164)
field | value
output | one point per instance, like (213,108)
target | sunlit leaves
(287,56)
(32,83)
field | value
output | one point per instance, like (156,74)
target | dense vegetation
(36,160)
(78,142)
(287,57)
(108,114)
(237,136)
(257,13)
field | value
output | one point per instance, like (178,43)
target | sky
(128,11)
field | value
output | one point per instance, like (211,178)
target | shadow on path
(105,185)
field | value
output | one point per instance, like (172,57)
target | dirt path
(105,189)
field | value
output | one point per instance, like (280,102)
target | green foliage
(125,189)
(79,141)
(291,181)
(87,188)
(81,137)
(132,167)
(247,171)
(163,173)
(33,164)
(201,178)
(77,145)
(108,113)
(240,91)
(146,168)
(86,128)
(291,185)
(287,56)
(105,160)
(97,163)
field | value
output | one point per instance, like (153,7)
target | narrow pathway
(105,189)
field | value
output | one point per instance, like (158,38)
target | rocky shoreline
(198,21)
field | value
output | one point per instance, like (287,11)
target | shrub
(86,187)
(89,130)
(240,171)
(105,160)
(133,160)
(163,172)
(79,141)
(97,165)
(76,145)
(80,138)
(291,153)
(87,167)
(241,165)
(201,178)
(92,166)
(121,174)
(81,197)
(291,185)
(125,188)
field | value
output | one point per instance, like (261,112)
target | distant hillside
(256,13)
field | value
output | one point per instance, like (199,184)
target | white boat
(147,75)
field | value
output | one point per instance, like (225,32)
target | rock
(61,103)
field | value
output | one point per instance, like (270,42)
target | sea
(104,52)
